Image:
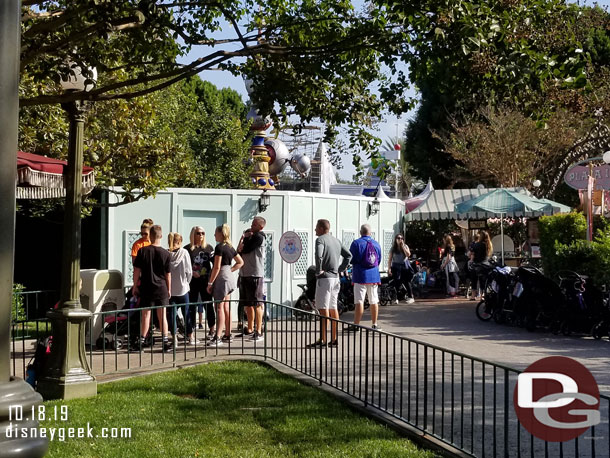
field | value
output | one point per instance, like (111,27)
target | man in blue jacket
(366,255)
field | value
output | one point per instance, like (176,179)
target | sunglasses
(398,238)
(144,234)
(199,233)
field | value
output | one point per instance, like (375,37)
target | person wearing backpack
(366,255)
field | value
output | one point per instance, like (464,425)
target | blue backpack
(371,258)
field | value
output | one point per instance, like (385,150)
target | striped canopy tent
(41,177)
(443,204)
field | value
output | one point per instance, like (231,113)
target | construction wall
(177,210)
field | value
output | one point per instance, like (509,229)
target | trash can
(101,291)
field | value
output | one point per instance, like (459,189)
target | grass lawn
(31,329)
(240,409)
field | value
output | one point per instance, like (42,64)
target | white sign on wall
(290,247)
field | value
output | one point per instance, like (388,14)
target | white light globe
(480,186)
(77,81)
(606,157)
(537,183)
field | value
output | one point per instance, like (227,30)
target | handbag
(453,267)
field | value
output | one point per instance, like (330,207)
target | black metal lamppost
(68,374)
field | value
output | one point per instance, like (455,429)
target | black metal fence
(463,401)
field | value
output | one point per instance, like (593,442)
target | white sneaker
(396,302)
(410,300)
(193,341)
(215,342)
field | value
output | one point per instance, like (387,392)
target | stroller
(306,300)
(586,309)
(120,328)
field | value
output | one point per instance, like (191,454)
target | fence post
(366,369)
(265,311)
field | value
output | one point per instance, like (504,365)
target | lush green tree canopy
(546,60)
(325,59)
(190,134)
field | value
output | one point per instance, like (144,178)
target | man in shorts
(366,254)
(328,252)
(251,278)
(152,283)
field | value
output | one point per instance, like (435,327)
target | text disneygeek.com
(16,430)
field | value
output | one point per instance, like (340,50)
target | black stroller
(121,328)
(586,309)
(306,300)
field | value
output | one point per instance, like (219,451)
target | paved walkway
(452,324)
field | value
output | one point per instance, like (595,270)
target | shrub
(563,247)
(17,308)
(564,229)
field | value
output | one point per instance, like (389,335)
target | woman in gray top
(399,267)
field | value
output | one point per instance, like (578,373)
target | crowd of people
(195,276)
(479,254)
(198,277)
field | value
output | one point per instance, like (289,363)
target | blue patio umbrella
(510,203)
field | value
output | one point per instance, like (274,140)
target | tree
(314,59)
(560,67)
(189,134)
(502,147)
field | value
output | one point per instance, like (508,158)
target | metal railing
(465,402)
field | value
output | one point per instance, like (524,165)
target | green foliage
(423,237)
(589,258)
(538,56)
(564,229)
(563,246)
(17,307)
(228,409)
(190,134)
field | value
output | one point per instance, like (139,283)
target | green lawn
(240,409)
(31,329)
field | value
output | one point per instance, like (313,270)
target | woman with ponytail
(222,283)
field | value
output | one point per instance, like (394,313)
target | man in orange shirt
(144,239)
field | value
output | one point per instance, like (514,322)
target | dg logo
(557,399)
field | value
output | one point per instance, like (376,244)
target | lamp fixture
(264,201)
(374,207)
(79,79)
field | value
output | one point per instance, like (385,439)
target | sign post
(291,249)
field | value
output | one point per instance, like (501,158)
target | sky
(389,127)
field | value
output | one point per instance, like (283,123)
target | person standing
(449,265)
(251,276)
(181,272)
(222,283)
(144,239)
(399,267)
(152,283)
(366,255)
(328,252)
(479,255)
(201,254)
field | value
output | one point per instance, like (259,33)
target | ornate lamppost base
(68,375)
(17,399)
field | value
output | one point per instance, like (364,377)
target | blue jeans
(171,313)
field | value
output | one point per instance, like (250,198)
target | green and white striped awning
(441,204)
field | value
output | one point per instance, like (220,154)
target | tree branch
(31,54)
